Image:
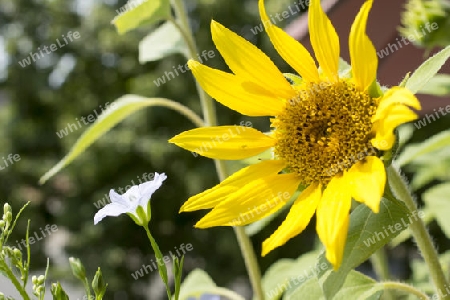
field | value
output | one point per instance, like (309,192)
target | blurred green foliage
(41,99)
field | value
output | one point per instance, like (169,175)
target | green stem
(87,288)
(206,102)
(380,264)
(159,257)
(392,285)
(209,113)
(419,231)
(180,108)
(251,263)
(381,268)
(14,281)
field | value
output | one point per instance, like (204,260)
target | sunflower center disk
(325,130)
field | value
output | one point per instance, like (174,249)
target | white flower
(129,203)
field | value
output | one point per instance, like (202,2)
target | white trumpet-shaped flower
(135,202)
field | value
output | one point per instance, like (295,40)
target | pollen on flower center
(325,130)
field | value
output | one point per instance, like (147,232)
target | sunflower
(329,131)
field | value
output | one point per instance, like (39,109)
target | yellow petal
(217,194)
(384,128)
(297,219)
(224,142)
(249,63)
(395,96)
(245,97)
(333,218)
(290,50)
(324,40)
(256,200)
(362,52)
(367,179)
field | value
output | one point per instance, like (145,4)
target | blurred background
(40,99)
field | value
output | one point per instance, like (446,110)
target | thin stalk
(381,267)
(419,231)
(161,268)
(392,285)
(180,108)
(380,264)
(209,114)
(14,281)
(206,102)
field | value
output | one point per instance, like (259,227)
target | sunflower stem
(209,113)
(419,231)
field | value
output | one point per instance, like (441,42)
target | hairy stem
(419,231)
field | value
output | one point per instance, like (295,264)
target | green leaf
(437,201)
(368,232)
(436,168)
(162,42)
(405,132)
(198,283)
(436,142)
(177,272)
(427,70)
(439,85)
(344,69)
(286,273)
(356,286)
(147,12)
(116,112)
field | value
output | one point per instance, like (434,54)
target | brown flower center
(325,130)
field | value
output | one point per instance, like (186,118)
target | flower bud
(6,208)
(8,217)
(98,284)
(58,292)
(77,268)
(41,279)
(17,254)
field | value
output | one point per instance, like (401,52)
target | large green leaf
(356,286)
(368,232)
(116,112)
(139,12)
(427,70)
(435,169)
(439,85)
(436,142)
(287,273)
(163,41)
(437,200)
(198,283)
